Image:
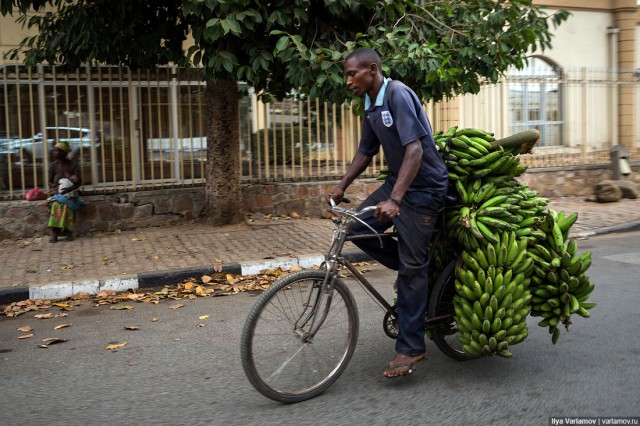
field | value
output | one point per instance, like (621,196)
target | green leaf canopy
(439,48)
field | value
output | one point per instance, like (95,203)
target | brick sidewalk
(35,261)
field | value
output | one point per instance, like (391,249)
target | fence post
(42,116)
(94,132)
(585,118)
(175,130)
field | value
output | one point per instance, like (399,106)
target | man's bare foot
(402,365)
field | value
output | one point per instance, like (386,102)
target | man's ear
(373,68)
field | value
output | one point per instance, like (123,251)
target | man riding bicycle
(410,198)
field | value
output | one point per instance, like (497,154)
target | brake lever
(367,209)
(333,202)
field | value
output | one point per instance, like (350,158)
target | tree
(440,48)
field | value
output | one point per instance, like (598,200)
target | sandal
(53,239)
(402,368)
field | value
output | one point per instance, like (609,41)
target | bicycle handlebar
(348,212)
(355,215)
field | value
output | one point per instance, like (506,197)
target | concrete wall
(582,41)
(108,213)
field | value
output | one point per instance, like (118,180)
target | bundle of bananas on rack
(493,303)
(560,286)
(491,199)
(516,256)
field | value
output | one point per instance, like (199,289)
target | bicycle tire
(276,361)
(390,324)
(441,304)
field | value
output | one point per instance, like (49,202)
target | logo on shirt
(387,120)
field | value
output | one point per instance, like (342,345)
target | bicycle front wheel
(276,356)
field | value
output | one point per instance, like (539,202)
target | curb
(625,227)
(61,290)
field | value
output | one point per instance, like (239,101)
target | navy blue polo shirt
(395,120)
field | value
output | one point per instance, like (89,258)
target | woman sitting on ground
(64,180)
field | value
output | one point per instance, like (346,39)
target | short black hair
(365,55)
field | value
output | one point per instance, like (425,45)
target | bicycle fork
(316,316)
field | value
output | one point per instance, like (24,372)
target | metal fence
(577,112)
(147,129)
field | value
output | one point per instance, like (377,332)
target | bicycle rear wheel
(276,360)
(445,334)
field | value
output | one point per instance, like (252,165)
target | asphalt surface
(173,372)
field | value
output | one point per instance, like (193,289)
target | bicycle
(302,331)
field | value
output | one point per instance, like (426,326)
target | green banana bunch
(484,178)
(559,284)
(489,207)
(469,154)
(493,300)
(532,210)
(508,236)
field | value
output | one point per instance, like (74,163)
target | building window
(535,96)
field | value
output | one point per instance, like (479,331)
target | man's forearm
(358,165)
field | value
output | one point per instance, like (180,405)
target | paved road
(173,372)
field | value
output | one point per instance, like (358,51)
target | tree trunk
(223,193)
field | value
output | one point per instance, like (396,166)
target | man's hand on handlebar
(337,195)
(386,211)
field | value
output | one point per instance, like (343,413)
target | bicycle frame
(334,260)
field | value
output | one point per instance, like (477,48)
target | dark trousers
(409,255)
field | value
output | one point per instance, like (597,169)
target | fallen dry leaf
(200,325)
(121,307)
(105,293)
(136,239)
(217,268)
(44,316)
(58,327)
(154,319)
(115,345)
(135,296)
(206,279)
(176,306)
(53,340)
(26,336)
(81,295)
(25,328)
(217,260)
(67,266)
(203,317)
(132,327)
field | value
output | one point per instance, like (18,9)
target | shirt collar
(379,98)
